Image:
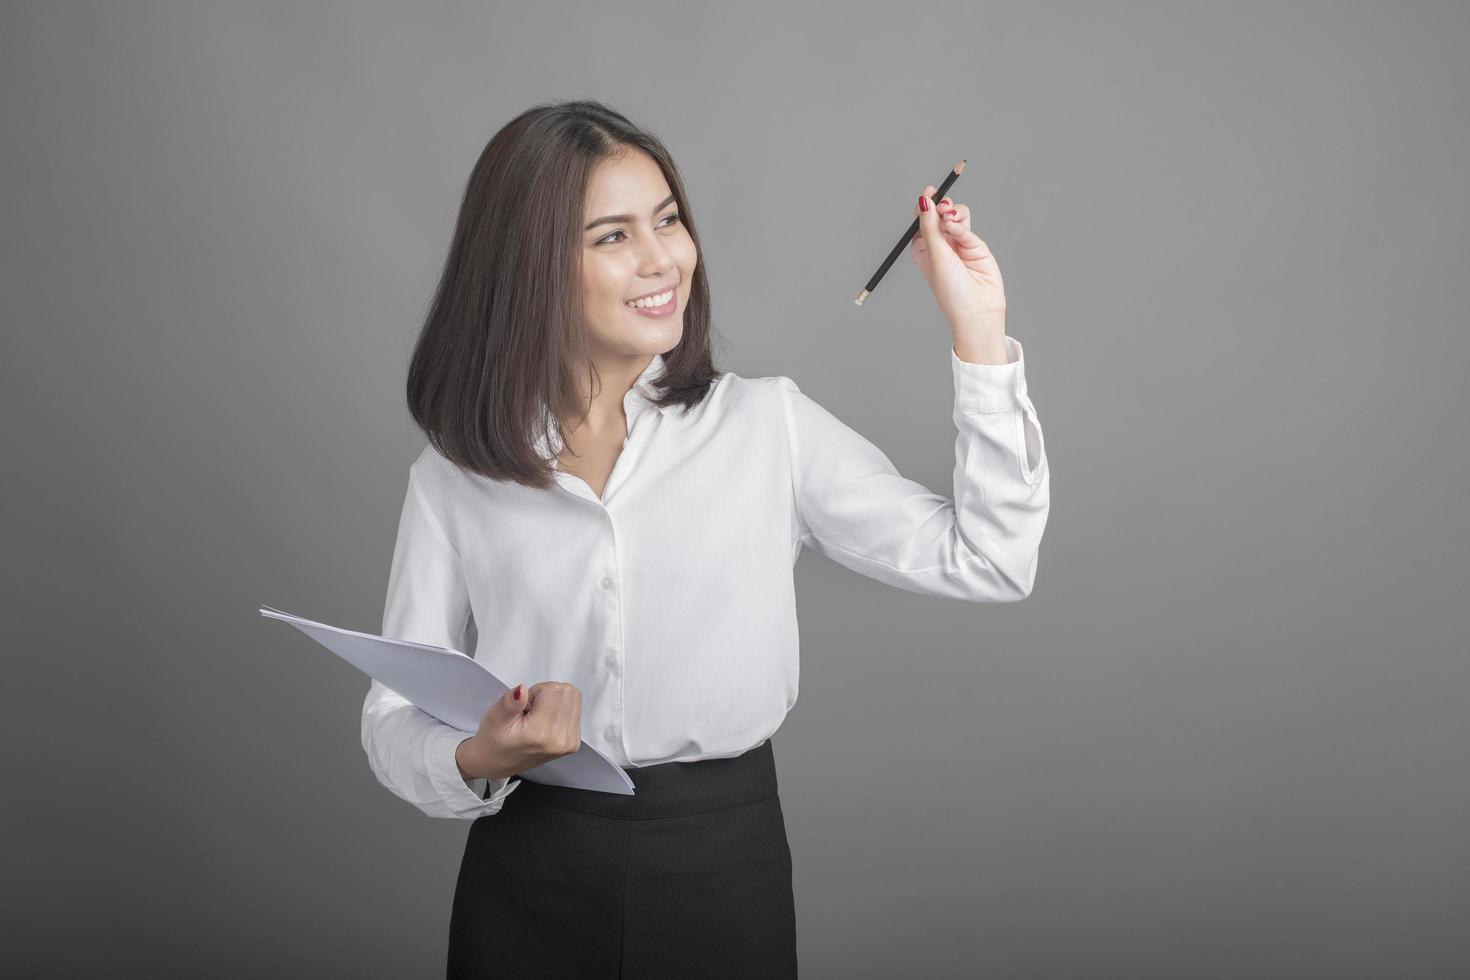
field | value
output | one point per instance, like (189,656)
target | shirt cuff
(463,798)
(991,387)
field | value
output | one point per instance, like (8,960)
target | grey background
(1226,736)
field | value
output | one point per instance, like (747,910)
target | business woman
(610,524)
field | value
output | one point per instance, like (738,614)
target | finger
(957,233)
(551,720)
(564,705)
(974,251)
(918,235)
(567,718)
(574,712)
(951,213)
(929,221)
(970,243)
(955,220)
(929,190)
(916,242)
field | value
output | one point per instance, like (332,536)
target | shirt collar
(644,385)
(640,397)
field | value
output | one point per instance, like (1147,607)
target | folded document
(456,689)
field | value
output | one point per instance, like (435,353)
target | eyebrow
(615,218)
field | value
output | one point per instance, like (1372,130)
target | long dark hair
(494,365)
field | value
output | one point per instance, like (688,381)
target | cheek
(603,283)
(687,256)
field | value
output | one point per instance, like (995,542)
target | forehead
(628,182)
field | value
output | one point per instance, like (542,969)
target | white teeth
(658,300)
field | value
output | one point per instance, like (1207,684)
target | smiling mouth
(646,302)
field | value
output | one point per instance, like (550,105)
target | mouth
(657,300)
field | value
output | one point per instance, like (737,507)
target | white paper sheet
(456,689)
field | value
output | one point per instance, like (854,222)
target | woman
(611,524)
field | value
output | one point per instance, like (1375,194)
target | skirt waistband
(671,789)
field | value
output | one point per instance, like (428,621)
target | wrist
(473,764)
(981,339)
(468,760)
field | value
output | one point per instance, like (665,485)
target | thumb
(509,705)
(929,219)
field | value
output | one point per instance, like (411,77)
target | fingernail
(517,692)
(923,202)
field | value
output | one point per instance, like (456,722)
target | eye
(609,239)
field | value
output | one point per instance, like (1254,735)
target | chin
(655,340)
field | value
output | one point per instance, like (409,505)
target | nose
(656,262)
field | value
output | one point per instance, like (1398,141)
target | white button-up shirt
(669,600)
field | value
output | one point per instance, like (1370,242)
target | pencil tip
(961,167)
(861,296)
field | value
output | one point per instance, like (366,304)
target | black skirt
(690,877)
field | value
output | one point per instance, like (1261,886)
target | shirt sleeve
(409,750)
(982,545)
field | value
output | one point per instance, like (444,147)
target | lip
(662,289)
(658,312)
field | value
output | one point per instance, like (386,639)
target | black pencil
(908,235)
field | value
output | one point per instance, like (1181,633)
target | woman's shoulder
(435,475)
(761,399)
(764,388)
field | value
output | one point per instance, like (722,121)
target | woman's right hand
(516,735)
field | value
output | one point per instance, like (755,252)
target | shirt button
(606,583)
(610,734)
(612,661)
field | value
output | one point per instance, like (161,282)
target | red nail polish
(517,692)
(923,202)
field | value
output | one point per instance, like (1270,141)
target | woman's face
(647,250)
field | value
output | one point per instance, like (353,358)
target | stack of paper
(456,689)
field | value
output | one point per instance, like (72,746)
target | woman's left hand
(956,263)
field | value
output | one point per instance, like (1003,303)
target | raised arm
(980,545)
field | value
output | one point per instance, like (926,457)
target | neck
(605,409)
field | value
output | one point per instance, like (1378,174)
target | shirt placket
(608,581)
